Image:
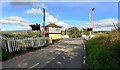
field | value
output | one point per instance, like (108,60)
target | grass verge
(102,53)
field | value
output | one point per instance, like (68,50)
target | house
(53,31)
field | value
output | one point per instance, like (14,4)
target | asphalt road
(67,53)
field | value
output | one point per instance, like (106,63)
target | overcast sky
(19,15)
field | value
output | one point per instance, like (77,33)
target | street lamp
(90,29)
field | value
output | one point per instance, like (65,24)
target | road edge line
(33,66)
(84,56)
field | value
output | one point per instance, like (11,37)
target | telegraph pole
(43,22)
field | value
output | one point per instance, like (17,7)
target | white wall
(65,36)
(54,30)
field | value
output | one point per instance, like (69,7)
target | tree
(73,32)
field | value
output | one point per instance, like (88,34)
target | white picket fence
(16,44)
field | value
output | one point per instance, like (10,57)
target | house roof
(53,25)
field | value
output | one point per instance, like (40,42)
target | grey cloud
(15,20)
(18,4)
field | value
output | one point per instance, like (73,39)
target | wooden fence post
(32,43)
(9,48)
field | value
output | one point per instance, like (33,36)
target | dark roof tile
(53,25)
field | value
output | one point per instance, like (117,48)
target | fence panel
(16,44)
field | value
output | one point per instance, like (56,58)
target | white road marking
(33,66)
(84,58)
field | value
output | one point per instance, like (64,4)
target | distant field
(102,52)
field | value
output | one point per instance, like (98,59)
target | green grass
(6,55)
(100,56)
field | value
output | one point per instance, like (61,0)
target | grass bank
(102,52)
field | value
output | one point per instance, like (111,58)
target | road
(67,53)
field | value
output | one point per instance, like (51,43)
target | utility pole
(43,22)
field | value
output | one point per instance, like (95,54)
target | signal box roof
(53,25)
